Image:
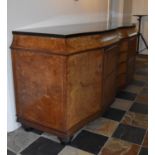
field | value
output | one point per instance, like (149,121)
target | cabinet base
(65,141)
(27,128)
(65,137)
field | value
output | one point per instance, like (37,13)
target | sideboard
(67,76)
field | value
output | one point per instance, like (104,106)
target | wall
(37,13)
(116,11)
(141,7)
(127,11)
(121,11)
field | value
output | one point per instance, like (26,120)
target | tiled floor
(122,130)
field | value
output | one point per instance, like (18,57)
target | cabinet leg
(65,141)
(26,128)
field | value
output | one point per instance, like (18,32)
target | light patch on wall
(93,5)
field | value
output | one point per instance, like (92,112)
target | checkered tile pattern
(121,130)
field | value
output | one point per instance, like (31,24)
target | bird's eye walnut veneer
(62,83)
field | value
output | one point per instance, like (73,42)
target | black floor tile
(114,114)
(143,151)
(89,142)
(129,133)
(126,95)
(43,146)
(138,83)
(139,108)
(10,153)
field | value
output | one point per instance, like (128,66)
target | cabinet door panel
(84,75)
(39,87)
(132,46)
(124,45)
(110,59)
(110,71)
(131,58)
(121,80)
(109,91)
(123,57)
(122,68)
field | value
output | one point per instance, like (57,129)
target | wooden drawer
(65,46)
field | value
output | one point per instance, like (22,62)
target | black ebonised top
(66,31)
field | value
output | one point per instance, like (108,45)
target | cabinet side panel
(39,87)
(131,58)
(84,95)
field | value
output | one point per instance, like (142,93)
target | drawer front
(110,60)
(83,43)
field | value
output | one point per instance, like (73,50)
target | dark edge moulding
(69,35)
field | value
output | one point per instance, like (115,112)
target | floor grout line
(26,146)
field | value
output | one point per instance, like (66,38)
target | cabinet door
(109,92)
(84,95)
(39,87)
(132,46)
(110,60)
(124,46)
(131,58)
(110,72)
(123,63)
(121,81)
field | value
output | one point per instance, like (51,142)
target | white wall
(141,7)
(121,11)
(127,11)
(116,7)
(37,13)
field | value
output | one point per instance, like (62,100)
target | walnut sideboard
(67,76)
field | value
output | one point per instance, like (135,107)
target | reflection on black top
(65,31)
